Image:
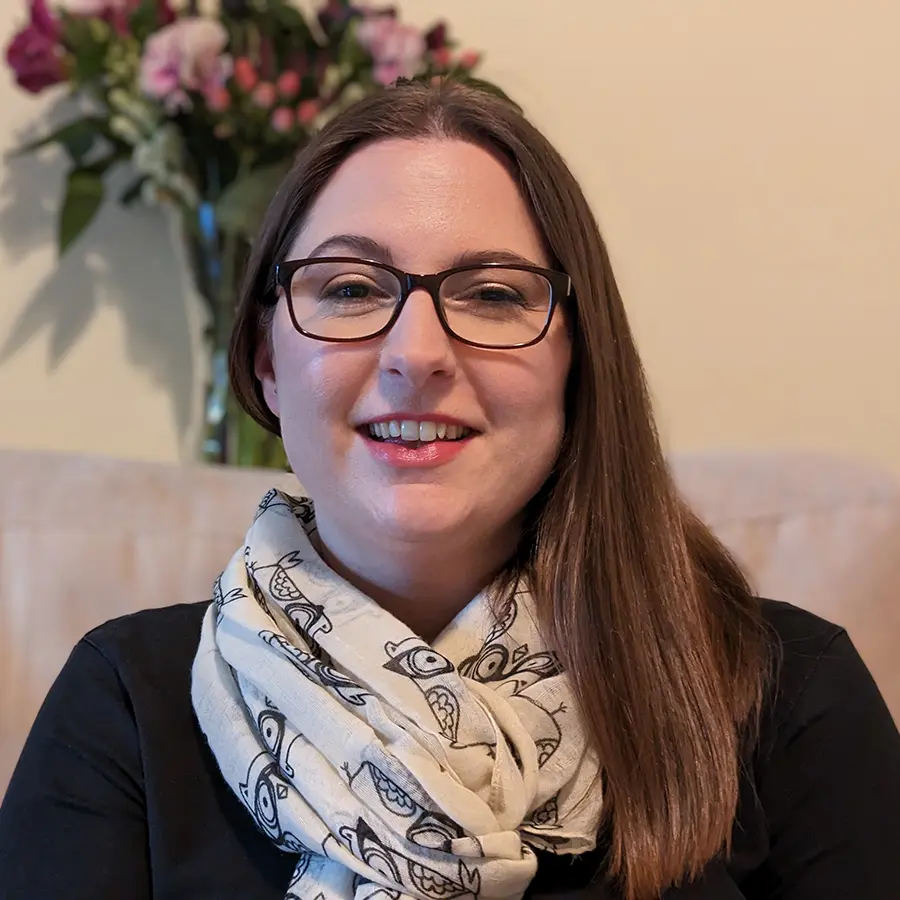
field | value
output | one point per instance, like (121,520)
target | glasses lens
(343,300)
(495,306)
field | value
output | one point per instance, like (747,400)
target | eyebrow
(355,243)
(369,248)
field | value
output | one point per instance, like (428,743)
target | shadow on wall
(125,258)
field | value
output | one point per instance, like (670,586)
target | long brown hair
(653,621)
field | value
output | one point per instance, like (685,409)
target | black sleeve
(831,789)
(73,823)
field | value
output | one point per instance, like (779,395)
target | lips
(414,441)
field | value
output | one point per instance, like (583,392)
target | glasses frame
(560,288)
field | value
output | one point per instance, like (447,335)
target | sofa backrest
(85,539)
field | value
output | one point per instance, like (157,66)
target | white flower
(396,49)
(186,55)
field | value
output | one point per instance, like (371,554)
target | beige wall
(743,159)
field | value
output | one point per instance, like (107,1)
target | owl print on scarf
(394,769)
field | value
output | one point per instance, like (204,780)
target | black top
(117,797)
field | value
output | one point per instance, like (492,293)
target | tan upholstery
(84,539)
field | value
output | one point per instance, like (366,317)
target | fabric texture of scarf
(394,769)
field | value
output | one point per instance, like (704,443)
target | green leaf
(291,20)
(350,52)
(256,446)
(144,20)
(88,39)
(242,205)
(77,137)
(84,196)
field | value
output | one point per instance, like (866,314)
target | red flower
(218,99)
(265,95)
(288,84)
(245,74)
(35,54)
(436,38)
(282,120)
(469,59)
(442,57)
(165,14)
(307,111)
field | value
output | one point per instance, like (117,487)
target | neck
(421,583)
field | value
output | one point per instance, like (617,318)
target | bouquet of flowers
(208,108)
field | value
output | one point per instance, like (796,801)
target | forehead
(427,200)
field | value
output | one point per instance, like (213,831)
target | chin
(421,511)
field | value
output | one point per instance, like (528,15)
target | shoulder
(161,641)
(824,721)
(813,664)
(819,797)
(799,640)
(793,625)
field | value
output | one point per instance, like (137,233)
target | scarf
(392,768)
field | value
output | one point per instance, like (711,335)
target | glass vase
(216,261)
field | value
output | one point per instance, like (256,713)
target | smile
(419,432)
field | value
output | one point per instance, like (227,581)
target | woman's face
(427,203)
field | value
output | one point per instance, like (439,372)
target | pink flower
(307,111)
(265,95)
(442,57)
(282,120)
(245,74)
(288,84)
(218,100)
(185,56)
(469,59)
(35,54)
(396,49)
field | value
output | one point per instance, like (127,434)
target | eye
(344,283)
(357,287)
(486,292)
(497,293)
(266,799)
(420,662)
(349,290)
(491,665)
(271,729)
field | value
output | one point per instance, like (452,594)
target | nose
(417,348)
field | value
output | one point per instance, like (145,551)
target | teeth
(410,430)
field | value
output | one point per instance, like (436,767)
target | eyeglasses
(496,305)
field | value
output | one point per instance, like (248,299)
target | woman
(612,715)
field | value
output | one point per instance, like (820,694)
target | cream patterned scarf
(393,768)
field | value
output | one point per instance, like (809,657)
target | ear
(264,369)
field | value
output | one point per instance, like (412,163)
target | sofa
(84,539)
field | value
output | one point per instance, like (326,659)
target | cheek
(532,393)
(318,385)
